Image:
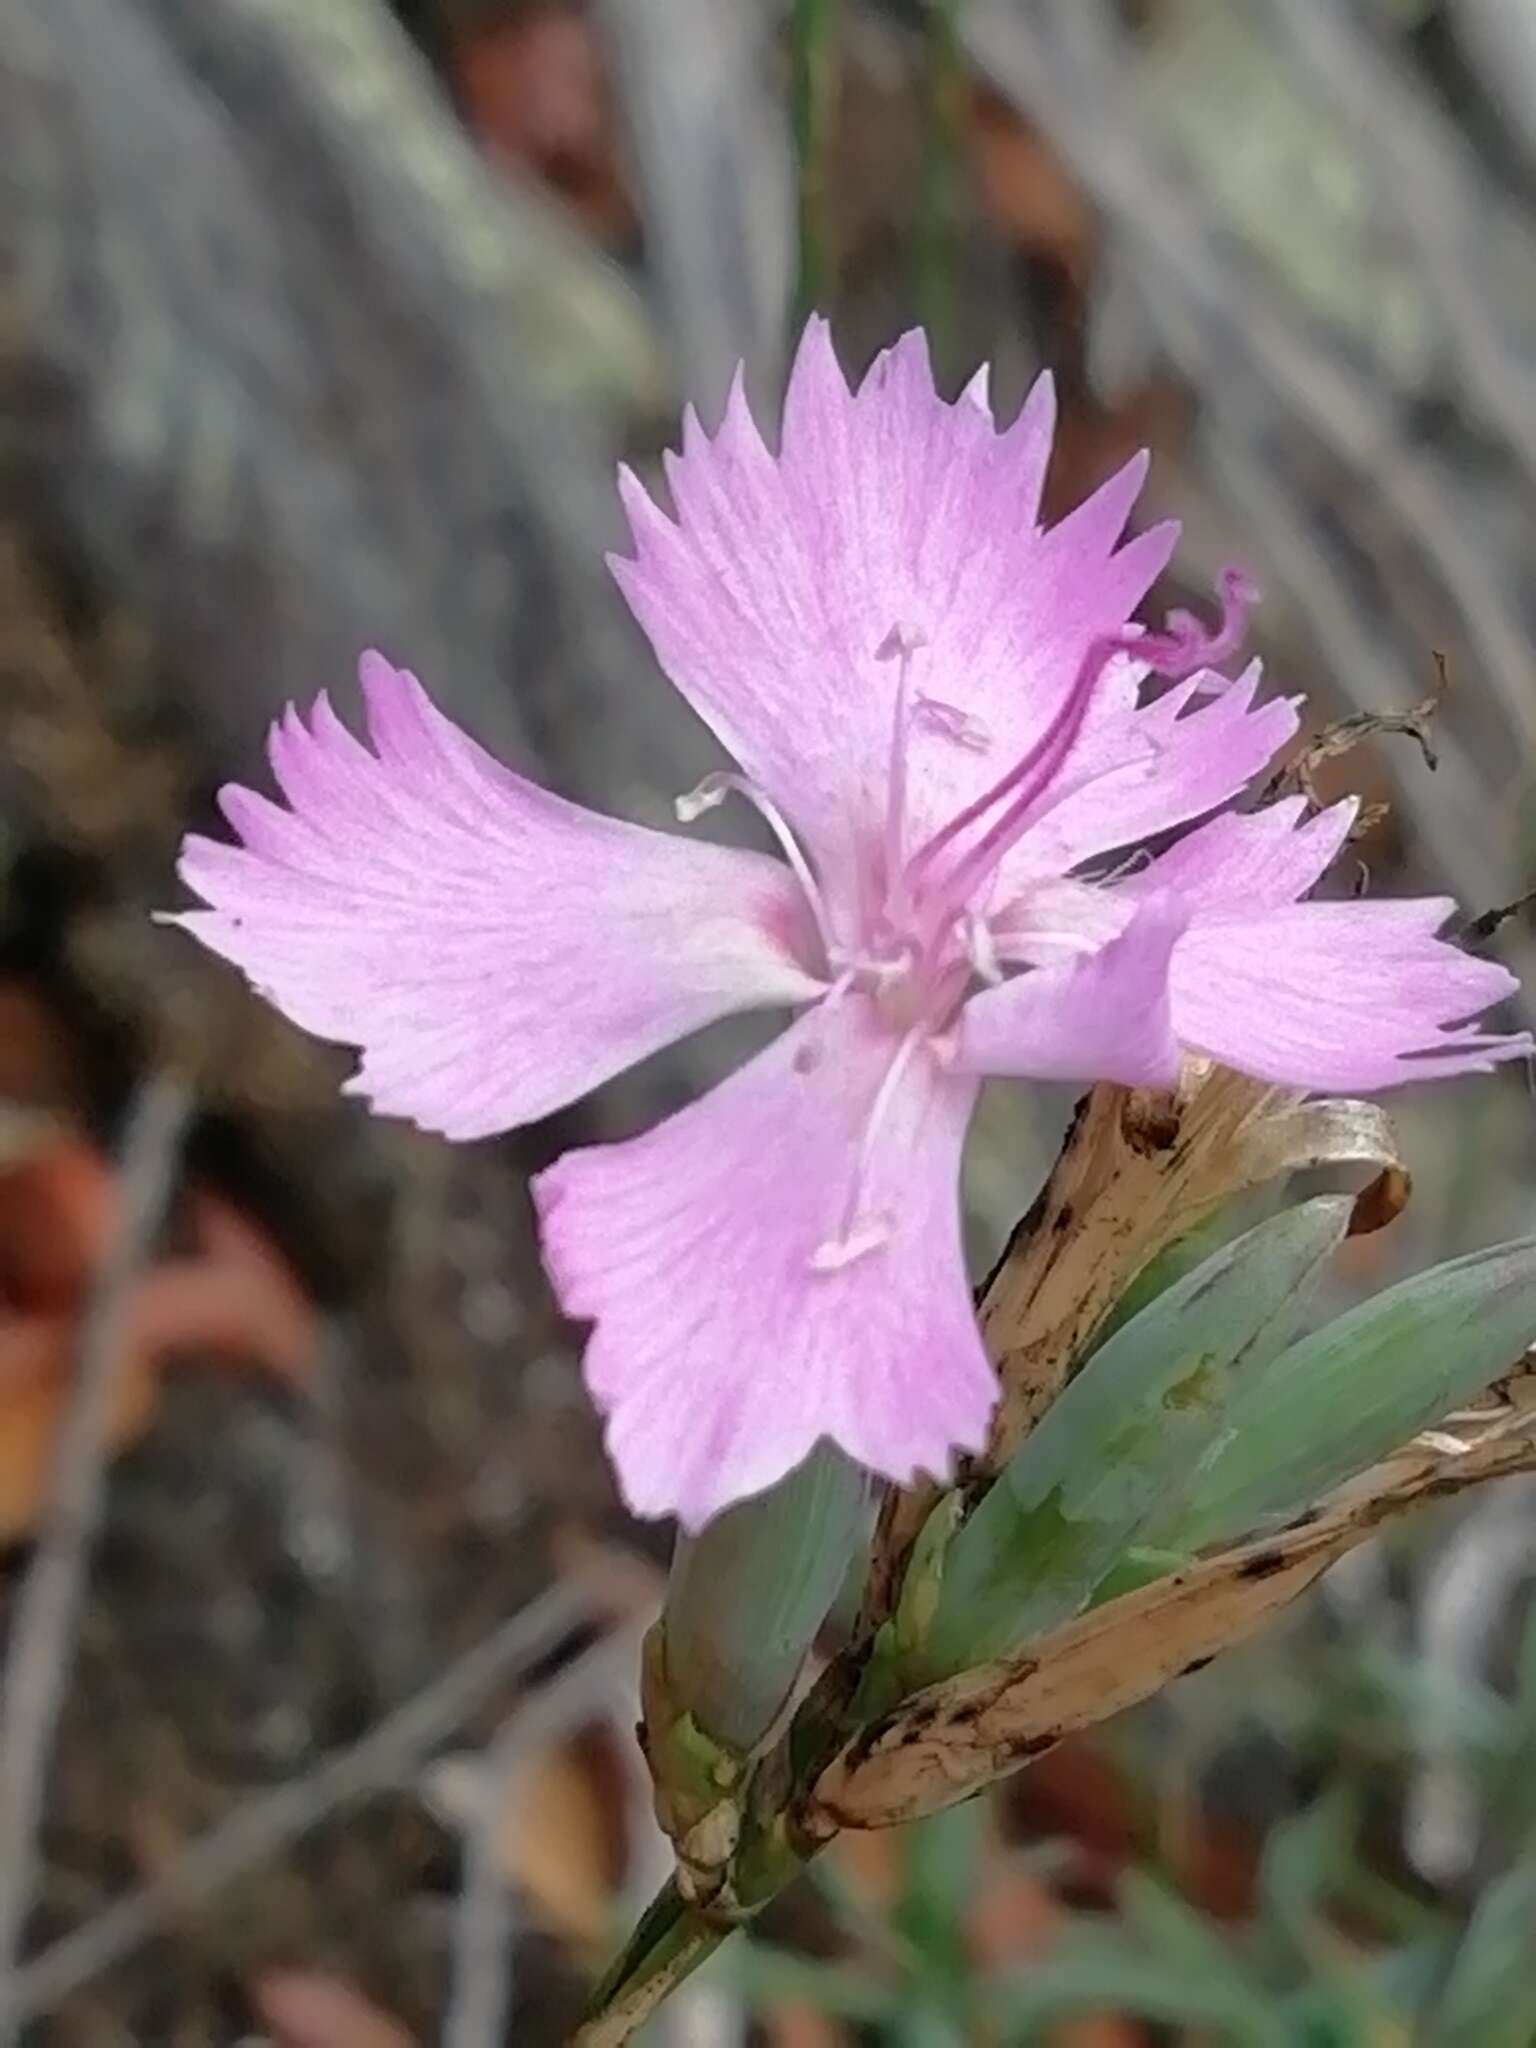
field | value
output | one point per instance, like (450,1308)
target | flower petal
(1339,996)
(721,1350)
(769,597)
(1135,773)
(1102,1018)
(1256,860)
(494,950)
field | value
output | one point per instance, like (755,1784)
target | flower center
(931,935)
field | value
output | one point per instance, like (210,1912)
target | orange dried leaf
(58,1213)
(1099,2030)
(801,2026)
(1029,190)
(536,92)
(1013,1915)
(36,1071)
(247,1302)
(310,2009)
(37,1357)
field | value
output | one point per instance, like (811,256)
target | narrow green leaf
(1125,1435)
(1183,1938)
(1357,1391)
(921,2024)
(1305,1859)
(1139,1566)
(1224,1223)
(1490,1994)
(1089,1971)
(748,1594)
(942,1858)
(766,1976)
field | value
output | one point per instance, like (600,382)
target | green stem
(815,87)
(669,1943)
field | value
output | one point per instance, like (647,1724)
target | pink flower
(936,705)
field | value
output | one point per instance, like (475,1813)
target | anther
(708,796)
(963,727)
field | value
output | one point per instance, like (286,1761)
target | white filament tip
(858,1242)
(901,640)
(710,794)
(981,950)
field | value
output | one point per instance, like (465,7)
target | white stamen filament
(858,1235)
(1003,811)
(1022,945)
(981,948)
(713,790)
(899,646)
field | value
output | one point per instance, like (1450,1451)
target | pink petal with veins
(768,597)
(495,951)
(722,1346)
(1339,996)
(1102,1018)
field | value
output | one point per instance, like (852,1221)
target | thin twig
(262,1826)
(48,1603)
(1344,735)
(485,1923)
(1477,931)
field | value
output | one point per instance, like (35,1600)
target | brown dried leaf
(561,1831)
(1029,191)
(537,94)
(952,1739)
(561,1840)
(235,1302)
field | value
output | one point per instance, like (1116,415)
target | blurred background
(323,324)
